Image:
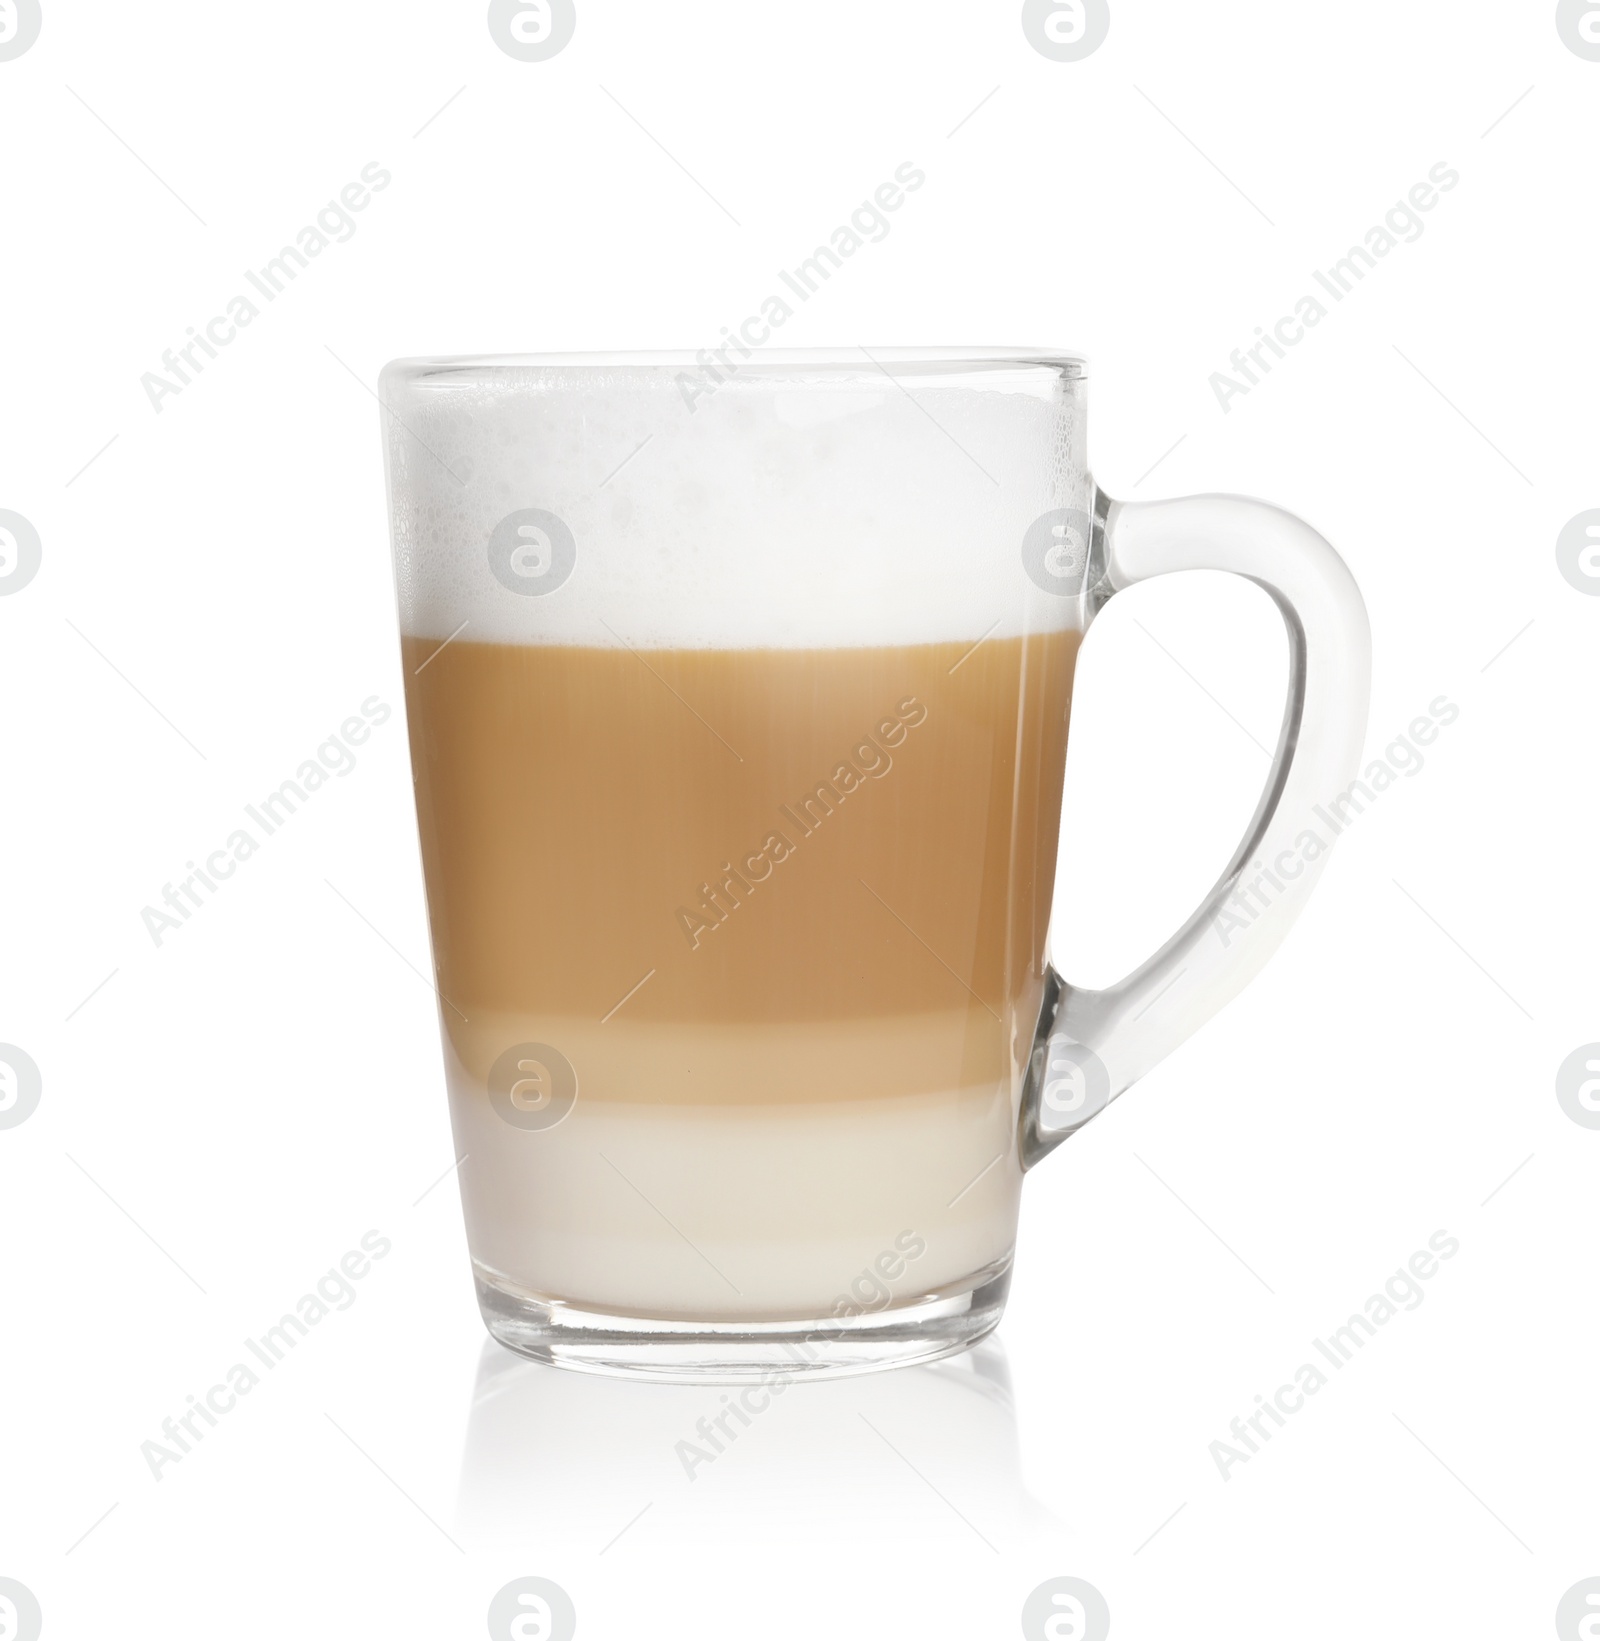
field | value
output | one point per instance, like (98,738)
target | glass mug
(738,695)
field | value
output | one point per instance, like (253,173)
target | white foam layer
(790,507)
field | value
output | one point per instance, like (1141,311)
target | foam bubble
(582,501)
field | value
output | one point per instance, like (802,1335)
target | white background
(224,1116)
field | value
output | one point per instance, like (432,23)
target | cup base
(687,1351)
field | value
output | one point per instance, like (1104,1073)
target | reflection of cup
(563,1460)
(738,702)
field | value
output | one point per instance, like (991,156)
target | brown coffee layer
(774,837)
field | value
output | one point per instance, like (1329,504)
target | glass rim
(767,360)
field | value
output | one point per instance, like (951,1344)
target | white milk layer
(781,509)
(761,1212)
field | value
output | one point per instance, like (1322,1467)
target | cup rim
(769,360)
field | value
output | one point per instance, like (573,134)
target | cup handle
(1091,1045)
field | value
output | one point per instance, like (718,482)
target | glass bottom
(686,1351)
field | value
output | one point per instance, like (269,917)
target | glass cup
(738,691)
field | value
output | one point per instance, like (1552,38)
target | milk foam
(792,507)
(763,1210)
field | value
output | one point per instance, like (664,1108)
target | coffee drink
(738,726)
(782,912)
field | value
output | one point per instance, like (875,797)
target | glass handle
(1091,1045)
